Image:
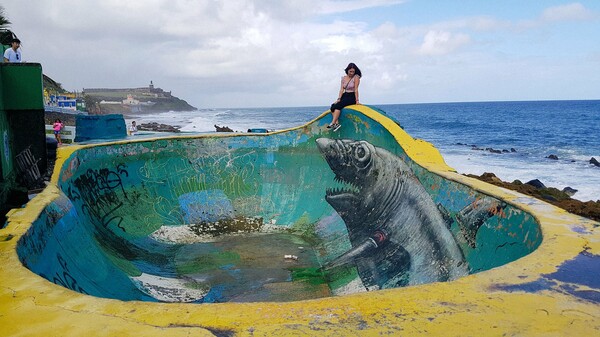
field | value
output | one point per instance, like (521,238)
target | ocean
(526,133)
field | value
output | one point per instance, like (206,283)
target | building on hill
(130,100)
(63,102)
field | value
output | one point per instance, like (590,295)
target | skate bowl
(305,231)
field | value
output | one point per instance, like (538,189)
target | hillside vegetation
(52,86)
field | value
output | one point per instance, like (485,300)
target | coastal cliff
(100,101)
(133,100)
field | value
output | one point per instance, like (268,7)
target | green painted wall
(22,87)
(6,153)
(5,136)
(22,98)
(21,125)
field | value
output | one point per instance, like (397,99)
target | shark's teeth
(341,190)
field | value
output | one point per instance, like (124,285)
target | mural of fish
(399,236)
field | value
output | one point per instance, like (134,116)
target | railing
(67,134)
(50,108)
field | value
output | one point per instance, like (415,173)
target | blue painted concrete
(100,127)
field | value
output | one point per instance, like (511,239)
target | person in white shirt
(13,54)
(133,128)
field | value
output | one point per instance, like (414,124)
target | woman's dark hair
(353,66)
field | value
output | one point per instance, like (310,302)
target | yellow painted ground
(476,305)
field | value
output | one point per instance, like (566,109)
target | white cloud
(342,6)
(270,52)
(440,42)
(569,12)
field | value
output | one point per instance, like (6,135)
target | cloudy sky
(272,53)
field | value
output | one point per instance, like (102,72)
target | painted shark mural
(399,236)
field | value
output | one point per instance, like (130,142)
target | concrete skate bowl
(298,231)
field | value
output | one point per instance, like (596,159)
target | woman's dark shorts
(348,98)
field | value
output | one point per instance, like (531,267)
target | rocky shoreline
(554,196)
(473,147)
(157,127)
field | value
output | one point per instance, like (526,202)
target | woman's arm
(356,83)
(341,90)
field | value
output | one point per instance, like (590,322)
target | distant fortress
(126,100)
(150,90)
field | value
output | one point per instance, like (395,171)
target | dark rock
(553,194)
(517,182)
(157,127)
(594,162)
(490,177)
(569,191)
(223,128)
(553,157)
(493,150)
(536,183)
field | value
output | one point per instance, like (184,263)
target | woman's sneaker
(330,126)
(336,126)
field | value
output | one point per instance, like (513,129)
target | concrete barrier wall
(100,127)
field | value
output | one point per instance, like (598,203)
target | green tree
(3,20)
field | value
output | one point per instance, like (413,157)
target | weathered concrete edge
(474,305)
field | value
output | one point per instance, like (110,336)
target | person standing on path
(57,127)
(132,128)
(347,95)
(13,54)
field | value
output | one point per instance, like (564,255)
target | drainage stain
(569,278)
(581,270)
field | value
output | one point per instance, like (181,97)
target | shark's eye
(362,155)
(360,152)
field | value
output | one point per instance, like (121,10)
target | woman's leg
(58,138)
(336,116)
(347,99)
